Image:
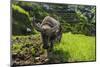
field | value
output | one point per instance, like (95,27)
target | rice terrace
(36,40)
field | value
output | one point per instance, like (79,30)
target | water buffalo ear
(35,25)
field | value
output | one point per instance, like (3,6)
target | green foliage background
(77,19)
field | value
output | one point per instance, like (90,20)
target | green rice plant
(75,48)
(72,48)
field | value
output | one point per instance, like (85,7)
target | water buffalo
(50,29)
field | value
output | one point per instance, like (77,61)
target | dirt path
(22,53)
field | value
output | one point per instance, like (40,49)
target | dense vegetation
(73,18)
(78,27)
(73,48)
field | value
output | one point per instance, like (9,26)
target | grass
(76,47)
(72,48)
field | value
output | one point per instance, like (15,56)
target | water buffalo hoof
(45,47)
